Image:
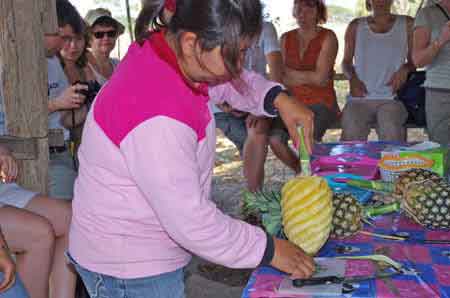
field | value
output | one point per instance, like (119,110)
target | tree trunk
(24,81)
(130,27)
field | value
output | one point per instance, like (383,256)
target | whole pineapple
(428,203)
(411,176)
(347,217)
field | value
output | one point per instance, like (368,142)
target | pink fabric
(406,288)
(170,5)
(142,197)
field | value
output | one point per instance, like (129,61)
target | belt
(57,149)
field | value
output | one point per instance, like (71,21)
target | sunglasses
(101,34)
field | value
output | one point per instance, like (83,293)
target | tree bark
(24,80)
(130,27)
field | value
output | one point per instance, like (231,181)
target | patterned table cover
(430,262)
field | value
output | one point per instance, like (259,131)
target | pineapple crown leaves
(262,202)
(267,203)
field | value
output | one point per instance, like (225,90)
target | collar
(165,53)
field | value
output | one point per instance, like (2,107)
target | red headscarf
(170,5)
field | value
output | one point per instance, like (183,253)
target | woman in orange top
(309,53)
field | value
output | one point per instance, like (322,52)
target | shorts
(234,128)
(62,175)
(13,195)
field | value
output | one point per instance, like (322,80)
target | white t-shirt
(98,76)
(379,55)
(57,83)
(255,58)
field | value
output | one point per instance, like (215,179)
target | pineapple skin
(307,210)
(347,215)
(428,203)
(413,176)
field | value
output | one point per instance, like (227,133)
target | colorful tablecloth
(429,265)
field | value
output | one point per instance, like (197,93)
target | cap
(94,15)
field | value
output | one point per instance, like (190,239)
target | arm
(71,98)
(272,52)
(324,67)
(260,95)
(7,265)
(275,63)
(8,166)
(357,87)
(175,195)
(409,65)
(185,211)
(401,75)
(245,94)
(425,49)
(349,50)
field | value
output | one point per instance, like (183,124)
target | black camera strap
(443,11)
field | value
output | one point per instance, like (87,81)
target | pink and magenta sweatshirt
(142,197)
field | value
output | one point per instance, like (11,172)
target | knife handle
(314,281)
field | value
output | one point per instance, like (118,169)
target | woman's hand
(8,268)
(294,114)
(292,259)
(357,87)
(8,168)
(398,78)
(71,98)
(444,37)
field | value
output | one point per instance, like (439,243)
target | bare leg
(31,237)
(255,152)
(58,213)
(284,153)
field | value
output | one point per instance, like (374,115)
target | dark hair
(105,22)
(322,14)
(216,23)
(68,15)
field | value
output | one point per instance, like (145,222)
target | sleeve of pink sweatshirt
(179,199)
(244,94)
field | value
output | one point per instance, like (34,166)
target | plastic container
(392,166)
(347,163)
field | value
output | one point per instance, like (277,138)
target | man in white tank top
(377,63)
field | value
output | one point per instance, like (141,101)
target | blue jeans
(16,291)
(167,285)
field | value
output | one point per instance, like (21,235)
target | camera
(91,92)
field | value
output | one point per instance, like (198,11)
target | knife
(326,280)
(305,160)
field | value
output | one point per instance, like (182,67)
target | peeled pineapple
(307,211)
(347,217)
(428,203)
(302,211)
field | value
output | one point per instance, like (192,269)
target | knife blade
(314,281)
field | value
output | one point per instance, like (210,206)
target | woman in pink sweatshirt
(142,198)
